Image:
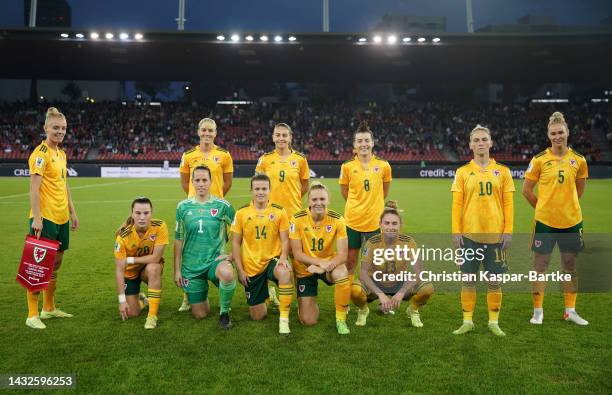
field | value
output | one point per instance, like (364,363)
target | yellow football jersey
(129,244)
(366,200)
(286,177)
(219,161)
(483,219)
(558,204)
(394,266)
(51,165)
(260,232)
(317,241)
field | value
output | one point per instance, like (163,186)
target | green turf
(386,356)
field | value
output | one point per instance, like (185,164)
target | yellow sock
(570,300)
(358,296)
(49,293)
(494,299)
(468,302)
(342,295)
(285,296)
(422,296)
(32,299)
(154,296)
(538,299)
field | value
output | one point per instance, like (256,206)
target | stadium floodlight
(79,35)
(292,38)
(249,38)
(436,39)
(377,39)
(94,35)
(263,38)
(362,39)
(221,37)
(124,36)
(42,98)
(278,39)
(109,36)
(235,38)
(64,35)
(391,39)
(421,39)
(406,39)
(138,36)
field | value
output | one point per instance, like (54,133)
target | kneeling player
(376,285)
(199,241)
(319,246)
(260,246)
(139,251)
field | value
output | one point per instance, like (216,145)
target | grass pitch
(386,356)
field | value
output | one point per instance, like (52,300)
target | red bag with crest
(36,264)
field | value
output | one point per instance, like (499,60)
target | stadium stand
(403,132)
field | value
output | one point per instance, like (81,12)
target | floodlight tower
(181,15)
(326,15)
(470,16)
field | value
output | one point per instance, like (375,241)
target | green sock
(226,292)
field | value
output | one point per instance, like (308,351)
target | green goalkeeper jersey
(203,229)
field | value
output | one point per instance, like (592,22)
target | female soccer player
(482,220)
(139,256)
(217,159)
(289,174)
(390,293)
(364,184)
(319,246)
(260,246)
(200,236)
(561,174)
(51,209)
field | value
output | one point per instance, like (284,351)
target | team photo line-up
(277,242)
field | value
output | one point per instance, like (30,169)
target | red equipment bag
(36,264)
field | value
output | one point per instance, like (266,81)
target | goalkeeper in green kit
(199,257)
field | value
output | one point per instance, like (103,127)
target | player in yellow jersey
(260,245)
(482,224)
(319,246)
(364,184)
(217,159)
(389,291)
(51,209)
(139,256)
(289,174)
(561,174)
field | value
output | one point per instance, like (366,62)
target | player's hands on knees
(37,226)
(331,266)
(123,310)
(243,278)
(315,269)
(284,262)
(458,240)
(178,279)
(506,240)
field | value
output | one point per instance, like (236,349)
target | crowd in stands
(403,132)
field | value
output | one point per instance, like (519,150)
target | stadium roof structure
(313,57)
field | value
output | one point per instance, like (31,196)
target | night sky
(285,16)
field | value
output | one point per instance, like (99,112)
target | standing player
(51,209)
(561,174)
(139,256)
(260,245)
(364,184)
(390,293)
(217,159)
(289,173)
(200,236)
(482,220)
(319,245)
